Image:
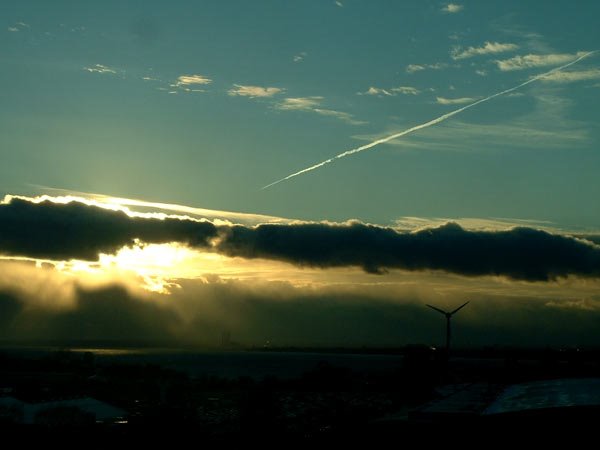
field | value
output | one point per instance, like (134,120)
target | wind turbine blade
(460,307)
(437,309)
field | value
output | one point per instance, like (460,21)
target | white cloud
(299,103)
(569,77)
(455,101)
(411,68)
(312,104)
(186,80)
(100,68)
(529,61)
(481,72)
(186,89)
(406,90)
(299,57)
(486,49)
(18,27)
(338,3)
(253,91)
(343,116)
(452,8)
(375,91)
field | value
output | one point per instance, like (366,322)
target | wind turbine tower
(448,323)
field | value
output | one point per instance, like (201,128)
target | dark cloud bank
(76,230)
(197,315)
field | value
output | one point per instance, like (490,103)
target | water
(251,364)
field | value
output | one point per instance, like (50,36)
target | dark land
(288,394)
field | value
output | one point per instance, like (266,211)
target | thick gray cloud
(519,253)
(200,312)
(76,230)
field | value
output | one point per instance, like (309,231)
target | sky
(140,141)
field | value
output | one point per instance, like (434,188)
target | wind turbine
(448,327)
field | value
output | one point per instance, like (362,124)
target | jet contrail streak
(426,124)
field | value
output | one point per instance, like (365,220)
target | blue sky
(202,103)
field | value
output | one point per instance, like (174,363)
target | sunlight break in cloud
(530,61)
(100,68)
(150,245)
(421,126)
(455,101)
(452,8)
(253,91)
(488,48)
(313,104)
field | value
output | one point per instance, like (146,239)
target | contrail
(426,124)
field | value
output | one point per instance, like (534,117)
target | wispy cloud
(187,80)
(375,91)
(299,57)
(569,77)
(391,92)
(313,104)
(299,103)
(100,68)
(481,72)
(19,26)
(406,90)
(472,223)
(487,49)
(529,131)
(412,68)
(455,101)
(253,91)
(338,3)
(452,8)
(421,126)
(531,61)
(188,83)
(343,116)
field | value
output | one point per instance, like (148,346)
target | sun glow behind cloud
(158,267)
(160,263)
